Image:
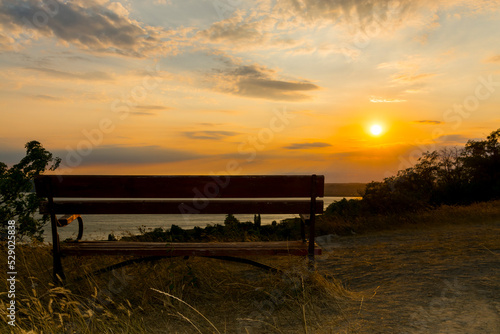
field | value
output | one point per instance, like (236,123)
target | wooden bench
(77,195)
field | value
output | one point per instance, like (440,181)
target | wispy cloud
(409,77)
(305,146)
(236,29)
(412,73)
(210,124)
(210,135)
(454,138)
(376,99)
(95,75)
(494,59)
(152,107)
(254,30)
(7,43)
(428,122)
(360,12)
(148,110)
(386,14)
(47,98)
(142,113)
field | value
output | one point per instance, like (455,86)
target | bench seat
(297,248)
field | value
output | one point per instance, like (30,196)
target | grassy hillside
(443,215)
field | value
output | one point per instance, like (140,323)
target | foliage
(346,209)
(232,230)
(17,202)
(409,190)
(481,164)
(231,221)
(257,220)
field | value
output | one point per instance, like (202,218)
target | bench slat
(181,207)
(298,248)
(239,186)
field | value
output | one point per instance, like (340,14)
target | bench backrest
(98,194)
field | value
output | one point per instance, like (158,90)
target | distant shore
(344,189)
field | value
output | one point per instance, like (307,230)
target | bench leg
(58,271)
(312,221)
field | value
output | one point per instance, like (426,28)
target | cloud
(7,43)
(132,155)
(152,107)
(411,72)
(148,110)
(162,2)
(251,71)
(258,81)
(274,89)
(236,29)
(494,59)
(359,11)
(460,139)
(375,99)
(210,135)
(210,124)
(89,25)
(428,122)
(412,77)
(46,98)
(381,14)
(278,85)
(255,29)
(95,75)
(142,113)
(305,146)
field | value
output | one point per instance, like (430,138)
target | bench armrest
(66,220)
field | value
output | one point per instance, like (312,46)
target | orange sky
(246,87)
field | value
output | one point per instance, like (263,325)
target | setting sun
(376,129)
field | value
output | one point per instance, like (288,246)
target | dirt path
(439,280)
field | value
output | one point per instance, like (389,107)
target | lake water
(98,227)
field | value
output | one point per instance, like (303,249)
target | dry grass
(171,296)
(445,215)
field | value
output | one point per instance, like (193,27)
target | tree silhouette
(17,201)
